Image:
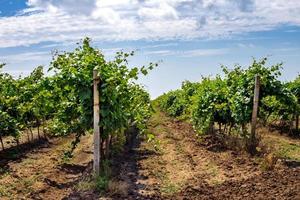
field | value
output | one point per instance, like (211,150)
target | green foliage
(173,103)
(228,99)
(211,104)
(65,99)
(294,87)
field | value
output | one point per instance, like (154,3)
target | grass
(169,188)
(212,169)
(21,185)
(4,191)
(215,177)
(289,151)
(27,161)
(283,148)
(98,183)
(102,183)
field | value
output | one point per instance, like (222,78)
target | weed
(4,192)
(282,148)
(101,183)
(97,183)
(289,151)
(169,188)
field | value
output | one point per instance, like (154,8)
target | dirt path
(176,166)
(42,174)
(180,168)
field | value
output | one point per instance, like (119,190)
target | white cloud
(162,10)
(25,57)
(188,53)
(119,20)
(246,46)
(171,44)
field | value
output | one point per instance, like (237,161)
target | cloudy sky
(191,37)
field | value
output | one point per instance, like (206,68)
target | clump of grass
(4,192)
(282,148)
(154,143)
(289,151)
(99,183)
(214,174)
(169,188)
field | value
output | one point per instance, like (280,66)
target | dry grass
(281,146)
(118,188)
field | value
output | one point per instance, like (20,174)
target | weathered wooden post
(2,144)
(96,81)
(254,115)
(297,122)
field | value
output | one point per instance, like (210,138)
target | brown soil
(41,173)
(182,167)
(177,165)
(25,138)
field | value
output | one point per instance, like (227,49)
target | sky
(190,38)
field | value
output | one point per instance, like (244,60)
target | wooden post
(96,81)
(254,115)
(2,144)
(297,122)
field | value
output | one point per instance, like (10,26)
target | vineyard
(63,103)
(226,101)
(192,143)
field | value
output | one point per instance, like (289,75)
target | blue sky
(191,37)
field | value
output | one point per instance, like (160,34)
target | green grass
(284,148)
(289,151)
(98,183)
(169,188)
(21,185)
(4,191)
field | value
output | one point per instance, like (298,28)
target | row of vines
(62,101)
(224,103)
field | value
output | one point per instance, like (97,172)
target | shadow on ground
(125,168)
(18,153)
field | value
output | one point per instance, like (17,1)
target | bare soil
(184,167)
(40,172)
(176,165)
(25,138)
